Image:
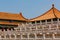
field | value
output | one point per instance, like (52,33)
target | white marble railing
(35,31)
(31,39)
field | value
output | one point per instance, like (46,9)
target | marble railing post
(49,26)
(28,36)
(57,26)
(15,36)
(53,36)
(21,36)
(35,22)
(35,36)
(43,36)
(51,21)
(45,22)
(58,21)
(40,22)
(25,29)
(10,36)
(4,36)
(36,28)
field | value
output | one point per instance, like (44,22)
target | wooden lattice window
(33,22)
(42,21)
(55,19)
(49,20)
(38,21)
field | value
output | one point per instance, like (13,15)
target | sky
(29,8)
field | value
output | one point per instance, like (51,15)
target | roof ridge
(54,11)
(11,16)
(42,14)
(23,16)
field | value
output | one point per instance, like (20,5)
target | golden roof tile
(10,16)
(50,14)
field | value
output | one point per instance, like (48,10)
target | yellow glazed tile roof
(52,13)
(10,16)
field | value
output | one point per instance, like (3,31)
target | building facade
(44,27)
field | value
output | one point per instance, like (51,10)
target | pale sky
(29,8)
